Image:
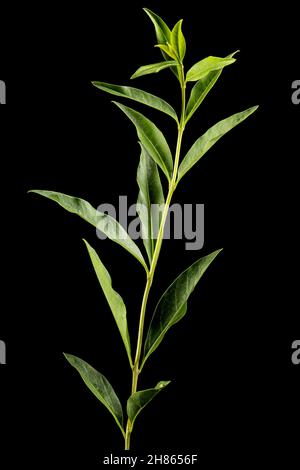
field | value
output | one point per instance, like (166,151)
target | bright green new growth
(155,156)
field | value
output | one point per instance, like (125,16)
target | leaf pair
(176,47)
(102,389)
(172,43)
(165,36)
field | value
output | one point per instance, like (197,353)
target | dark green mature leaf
(152,139)
(173,304)
(100,387)
(153,68)
(103,222)
(140,399)
(207,140)
(178,40)
(114,300)
(138,95)
(150,198)
(201,89)
(207,65)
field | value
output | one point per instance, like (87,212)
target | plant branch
(136,369)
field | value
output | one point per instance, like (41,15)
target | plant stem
(172,186)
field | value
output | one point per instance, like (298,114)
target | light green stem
(136,369)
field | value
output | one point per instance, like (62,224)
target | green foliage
(207,140)
(207,65)
(173,304)
(155,157)
(103,222)
(114,300)
(153,68)
(152,139)
(138,95)
(150,197)
(100,387)
(138,400)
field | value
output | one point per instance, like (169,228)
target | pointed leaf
(201,89)
(173,304)
(114,300)
(207,140)
(140,399)
(100,387)
(178,40)
(107,224)
(138,95)
(163,32)
(207,65)
(153,68)
(150,197)
(152,139)
(169,51)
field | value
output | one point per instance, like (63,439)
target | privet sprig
(156,160)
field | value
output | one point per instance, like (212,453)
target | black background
(234,396)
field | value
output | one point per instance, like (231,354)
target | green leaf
(140,399)
(138,95)
(153,68)
(163,32)
(201,89)
(178,40)
(103,222)
(173,304)
(114,300)
(150,197)
(168,50)
(207,140)
(100,387)
(163,35)
(152,139)
(209,64)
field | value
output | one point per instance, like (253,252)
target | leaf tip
(35,191)
(162,384)
(68,357)
(117,104)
